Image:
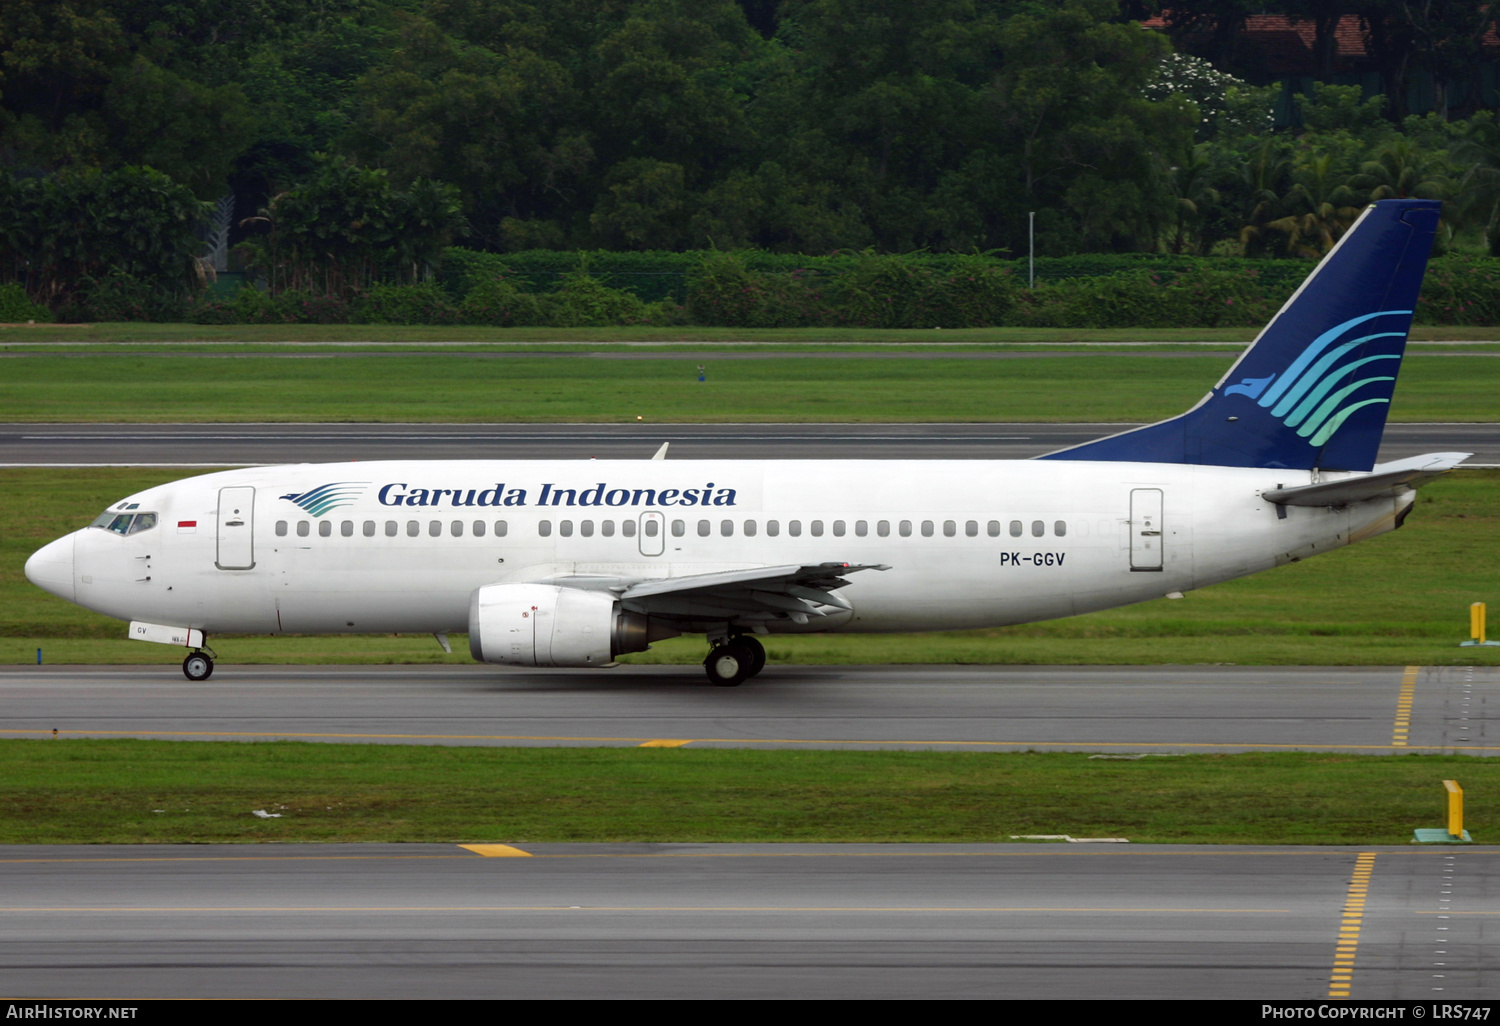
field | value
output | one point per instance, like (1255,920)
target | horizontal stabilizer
(1385,480)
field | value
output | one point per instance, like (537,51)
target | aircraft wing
(1385,479)
(792,592)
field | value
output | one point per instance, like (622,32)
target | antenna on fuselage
(661,453)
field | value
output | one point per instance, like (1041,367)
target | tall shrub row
(69,236)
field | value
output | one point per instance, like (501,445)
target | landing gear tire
(757,654)
(730,663)
(197,666)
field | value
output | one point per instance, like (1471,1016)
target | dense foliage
(359,138)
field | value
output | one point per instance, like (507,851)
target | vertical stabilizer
(1314,388)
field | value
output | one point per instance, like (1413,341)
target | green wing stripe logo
(323,498)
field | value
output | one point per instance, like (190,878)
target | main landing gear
(734,660)
(198,666)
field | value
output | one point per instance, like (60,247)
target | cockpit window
(125,523)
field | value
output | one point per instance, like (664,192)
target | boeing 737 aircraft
(574,563)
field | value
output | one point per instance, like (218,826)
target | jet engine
(544,625)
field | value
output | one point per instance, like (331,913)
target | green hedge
(762,290)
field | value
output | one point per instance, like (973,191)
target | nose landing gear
(198,666)
(734,661)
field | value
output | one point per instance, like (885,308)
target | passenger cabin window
(303,529)
(794,528)
(927,529)
(627,528)
(861,528)
(971,528)
(838,528)
(679,528)
(281,528)
(773,528)
(817,528)
(369,528)
(565,528)
(993,527)
(544,528)
(949,528)
(1015,529)
(1060,528)
(726,528)
(456,528)
(749,528)
(703,528)
(586,528)
(652,528)
(390,529)
(500,528)
(1038,528)
(607,528)
(325,528)
(346,529)
(478,527)
(906,528)
(413,528)
(435,528)
(883,528)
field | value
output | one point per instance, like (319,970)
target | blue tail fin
(1314,388)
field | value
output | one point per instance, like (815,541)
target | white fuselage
(967,543)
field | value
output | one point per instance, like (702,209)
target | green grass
(583,387)
(84,791)
(1399,599)
(23,335)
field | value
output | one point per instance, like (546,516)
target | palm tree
(1321,207)
(1193,197)
(1478,193)
(1259,181)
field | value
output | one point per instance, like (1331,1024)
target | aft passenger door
(236,527)
(1145,529)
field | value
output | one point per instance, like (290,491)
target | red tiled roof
(1286,46)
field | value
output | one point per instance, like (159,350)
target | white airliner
(547,563)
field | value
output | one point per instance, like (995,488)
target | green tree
(61,232)
(1320,206)
(348,227)
(493,124)
(1071,113)
(192,132)
(1260,177)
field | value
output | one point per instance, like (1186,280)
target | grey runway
(241,444)
(1102,709)
(746,921)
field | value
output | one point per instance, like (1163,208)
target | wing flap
(792,591)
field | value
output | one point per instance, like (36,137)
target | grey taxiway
(747,921)
(513,919)
(1096,709)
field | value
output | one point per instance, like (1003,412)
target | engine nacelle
(544,625)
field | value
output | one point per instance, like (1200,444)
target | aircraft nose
(51,568)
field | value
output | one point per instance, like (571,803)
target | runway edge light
(1455,832)
(1476,627)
